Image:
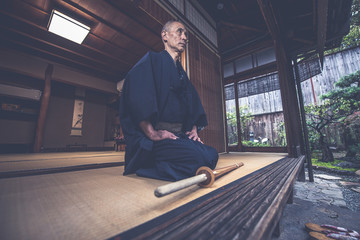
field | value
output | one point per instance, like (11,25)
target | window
(243,64)
(265,56)
(228,69)
(249,62)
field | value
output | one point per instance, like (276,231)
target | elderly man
(161,114)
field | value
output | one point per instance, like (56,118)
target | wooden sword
(204,177)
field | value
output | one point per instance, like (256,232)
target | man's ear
(163,35)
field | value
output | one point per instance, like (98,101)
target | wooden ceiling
(241,24)
(238,22)
(121,32)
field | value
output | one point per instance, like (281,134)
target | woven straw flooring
(96,203)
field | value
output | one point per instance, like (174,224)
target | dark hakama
(157,90)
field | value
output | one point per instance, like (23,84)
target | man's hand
(193,135)
(156,135)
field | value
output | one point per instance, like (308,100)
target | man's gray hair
(168,24)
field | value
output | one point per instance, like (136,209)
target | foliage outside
(352,39)
(316,162)
(281,139)
(232,127)
(245,121)
(245,118)
(339,110)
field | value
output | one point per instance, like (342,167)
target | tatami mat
(99,203)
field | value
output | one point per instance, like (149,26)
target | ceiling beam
(124,51)
(27,45)
(304,15)
(270,20)
(41,35)
(41,26)
(302,40)
(100,19)
(241,27)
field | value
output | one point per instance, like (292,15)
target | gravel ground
(302,211)
(351,197)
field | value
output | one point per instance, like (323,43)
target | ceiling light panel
(67,27)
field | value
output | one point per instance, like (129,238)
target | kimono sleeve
(198,115)
(140,96)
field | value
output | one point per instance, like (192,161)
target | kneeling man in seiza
(161,114)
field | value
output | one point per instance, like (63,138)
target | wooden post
(277,229)
(289,101)
(305,130)
(45,97)
(322,11)
(291,196)
(286,81)
(239,146)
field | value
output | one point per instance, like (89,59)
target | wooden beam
(24,6)
(304,127)
(270,19)
(322,9)
(100,19)
(271,217)
(261,70)
(45,98)
(28,31)
(302,40)
(28,44)
(238,123)
(241,27)
(286,80)
(304,15)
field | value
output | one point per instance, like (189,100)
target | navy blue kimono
(158,90)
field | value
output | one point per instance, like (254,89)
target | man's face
(176,37)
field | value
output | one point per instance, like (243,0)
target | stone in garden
(349,183)
(356,189)
(328,177)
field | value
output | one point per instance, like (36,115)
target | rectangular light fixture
(67,27)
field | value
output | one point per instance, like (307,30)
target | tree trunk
(327,155)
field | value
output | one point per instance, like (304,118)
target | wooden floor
(21,162)
(93,204)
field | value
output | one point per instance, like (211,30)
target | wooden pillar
(45,97)
(304,127)
(286,81)
(239,146)
(289,102)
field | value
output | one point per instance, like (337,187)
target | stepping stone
(356,189)
(339,202)
(349,183)
(327,177)
(357,172)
